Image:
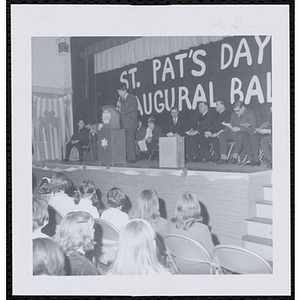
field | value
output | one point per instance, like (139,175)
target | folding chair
(55,218)
(238,260)
(186,256)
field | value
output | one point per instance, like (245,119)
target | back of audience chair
(187,256)
(239,260)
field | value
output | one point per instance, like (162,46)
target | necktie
(174,121)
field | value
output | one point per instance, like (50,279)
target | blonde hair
(148,207)
(76,230)
(187,211)
(40,215)
(60,182)
(136,253)
(48,259)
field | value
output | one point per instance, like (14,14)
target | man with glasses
(242,124)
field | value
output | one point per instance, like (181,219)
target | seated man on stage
(212,136)
(197,132)
(149,143)
(175,124)
(78,139)
(242,124)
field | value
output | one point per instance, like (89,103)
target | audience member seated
(149,144)
(48,259)
(140,134)
(194,135)
(175,124)
(136,253)
(85,198)
(114,215)
(44,187)
(188,221)
(148,209)
(211,136)
(75,237)
(59,200)
(242,124)
(78,139)
(40,216)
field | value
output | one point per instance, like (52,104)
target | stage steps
(259,237)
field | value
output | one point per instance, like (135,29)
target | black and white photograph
(151,143)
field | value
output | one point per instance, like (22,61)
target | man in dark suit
(127,104)
(212,136)
(175,124)
(197,132)
(78,139)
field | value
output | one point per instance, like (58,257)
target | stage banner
(234,68)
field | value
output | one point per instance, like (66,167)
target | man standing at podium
(127,105)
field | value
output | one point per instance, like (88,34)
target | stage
(227,193)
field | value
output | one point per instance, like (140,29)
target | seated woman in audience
(75,237)
(188,221)
(114,215)
(85,198)
(48,259)
(44,187)
(40,216)
(148,209)
(59,200)
(136,253)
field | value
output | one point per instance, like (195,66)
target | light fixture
(62,45)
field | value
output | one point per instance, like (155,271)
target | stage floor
(208,166)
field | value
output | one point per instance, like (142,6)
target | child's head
(86,189)
(148,205)
(76,231)
(44,186)
(187,210)
(48,259)
(151,122)
(60,183)
(137,250)
(40,215)
(116,197)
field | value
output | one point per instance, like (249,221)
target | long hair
(48,259)
(115,197)
(148,206)
(187,211)
(86,189)
(76,230)
(40,215)
(60,183)
(137,250)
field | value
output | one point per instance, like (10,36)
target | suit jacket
(248,116)
(204,122)
(129,118)
(157,133)
(179,128)
(218,119)
(82,135)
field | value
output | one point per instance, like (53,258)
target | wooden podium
(111,139)
(171,152)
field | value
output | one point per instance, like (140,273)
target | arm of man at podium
(130,105)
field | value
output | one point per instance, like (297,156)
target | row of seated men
(214,128)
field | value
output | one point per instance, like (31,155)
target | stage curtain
(146,48)
(52,126)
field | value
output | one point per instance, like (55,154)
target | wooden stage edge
(227,198)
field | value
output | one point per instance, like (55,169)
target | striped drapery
(52,126)
(146,48)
